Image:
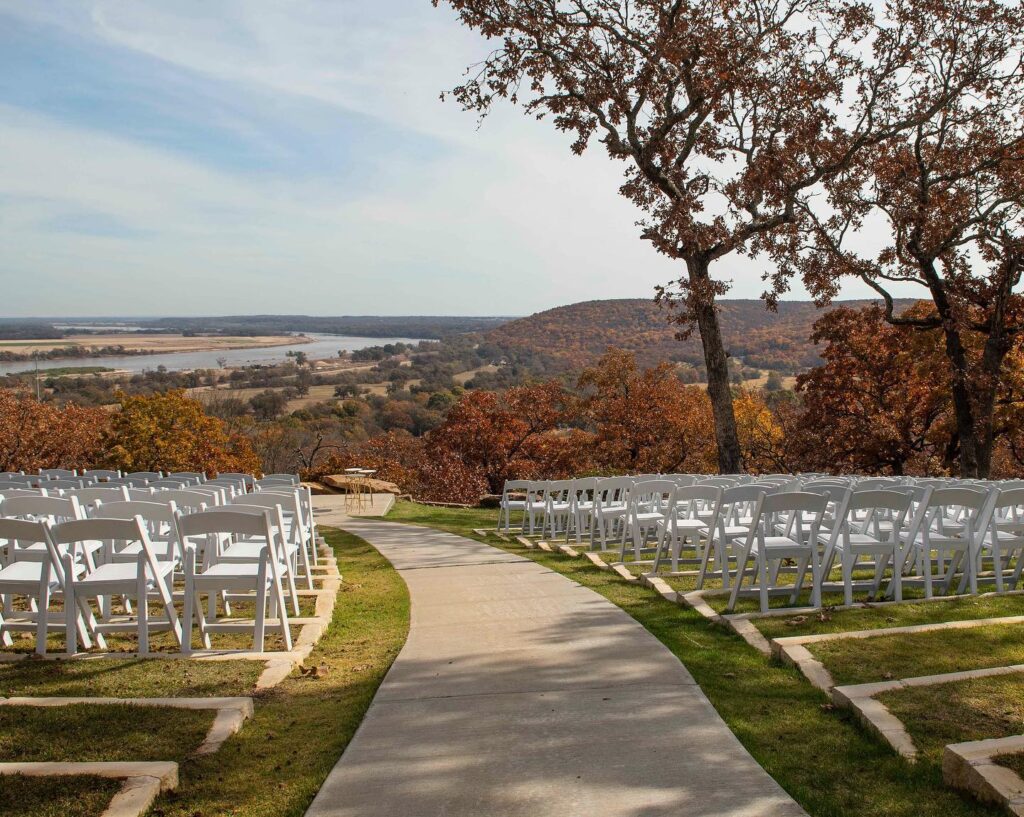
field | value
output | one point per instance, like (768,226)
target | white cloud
(503,221)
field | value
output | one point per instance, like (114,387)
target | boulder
(489,501)
(318,488)
(346,483)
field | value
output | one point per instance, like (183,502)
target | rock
(349,484)
(490,501)
(318,488)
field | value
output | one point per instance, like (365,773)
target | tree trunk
(730,460)
(997,346)
(966,422)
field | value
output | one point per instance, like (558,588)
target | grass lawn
(1015,762)
(128,733)
(859,661)
(55,796)
(276,764)
(895,615)
(817,753)
(966,710)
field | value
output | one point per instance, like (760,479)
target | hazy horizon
(512,316)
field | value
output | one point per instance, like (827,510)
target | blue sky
(287,156)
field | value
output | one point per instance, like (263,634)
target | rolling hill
(576,335)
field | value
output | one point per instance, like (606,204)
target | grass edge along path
(817,753)
(276,764)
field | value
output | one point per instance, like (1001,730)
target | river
(321,347)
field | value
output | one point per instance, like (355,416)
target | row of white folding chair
(56,570)
(159,514)
(58,574)
(898,533)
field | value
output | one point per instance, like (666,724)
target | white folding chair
(732,526)
(652,503)
(769,550)
(507,505)
(261,577)
(948,537)
(143,579)
(88,497)
(40,581)
(194,477)
(1002,541)
(102,475)
(696,516)
(611,504)
(161,521)
(288,514)
(859,532)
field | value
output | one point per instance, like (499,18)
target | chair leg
(44,610)
(70,608)
(847,564)
(259,634)
(142,615)
(188,614)
(762,572)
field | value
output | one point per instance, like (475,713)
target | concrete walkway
(522,694)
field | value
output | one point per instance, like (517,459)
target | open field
(155,344)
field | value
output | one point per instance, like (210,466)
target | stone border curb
(968,766)
(791,649)
(660,586)
(743,628)
(142,781)
(623,571)
(596,560)
(860,698)
(525,542)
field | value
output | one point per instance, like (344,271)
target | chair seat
(560,507)
(24,573)
(863,543)
(233,570)
(124,574)
(513,504)
(249,551)
(649,516)
(781,547)
(164,551)
(691,524)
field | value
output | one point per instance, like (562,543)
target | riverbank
(131,343)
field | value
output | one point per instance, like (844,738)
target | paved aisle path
(522,694)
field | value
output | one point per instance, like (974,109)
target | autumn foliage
(168,432)
(171,432)
(36,435)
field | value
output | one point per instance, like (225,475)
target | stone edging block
(969,766)
(143,781)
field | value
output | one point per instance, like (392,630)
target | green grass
(820,755)
(136,678)
(952,713)
(859,661)
(895,615)
(55,796)
(143,733)
(277,762)
(1014,762)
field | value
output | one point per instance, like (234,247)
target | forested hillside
(578,334)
